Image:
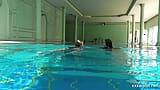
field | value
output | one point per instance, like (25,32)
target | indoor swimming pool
(55,67)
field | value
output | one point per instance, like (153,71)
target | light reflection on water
(22,64)
(146,61)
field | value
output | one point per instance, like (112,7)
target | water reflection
(146,61)
(135,66)
(97,61)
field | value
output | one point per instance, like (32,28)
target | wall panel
(4,20)
(22,19)
(54,21)
(117,32)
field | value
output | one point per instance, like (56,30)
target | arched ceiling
(108,10)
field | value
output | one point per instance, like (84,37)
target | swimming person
(108,44)
(78,44)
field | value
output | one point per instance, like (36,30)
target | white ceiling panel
(101,7)
(108,9)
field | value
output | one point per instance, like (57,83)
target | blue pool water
(48,67)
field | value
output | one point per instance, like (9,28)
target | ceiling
(101,7)
(108,10)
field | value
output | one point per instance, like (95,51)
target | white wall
(4,20)
(152,22)
(22,18)
(53,22)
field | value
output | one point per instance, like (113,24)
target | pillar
(133,31)
(141,25)
(158,36)
(63,23)
(128,30)
(76,29)
(83,26)
(38,21)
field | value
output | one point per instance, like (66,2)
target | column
(83,24)
(63,23)
(128,30)
(133,31)
(158,36)
(76,29)
(38,21)
(141,25)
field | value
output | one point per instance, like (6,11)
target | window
(152,35)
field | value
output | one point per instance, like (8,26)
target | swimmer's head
(108,43)
(78,43)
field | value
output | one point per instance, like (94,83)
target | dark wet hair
(78,45)
(108,43)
